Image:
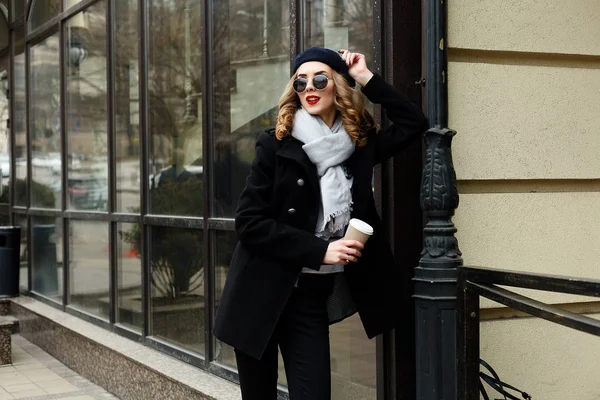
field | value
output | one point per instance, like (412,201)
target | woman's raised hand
(357,66)
(343,251)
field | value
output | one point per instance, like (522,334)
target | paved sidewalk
(35,375)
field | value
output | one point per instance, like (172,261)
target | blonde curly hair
(349,103)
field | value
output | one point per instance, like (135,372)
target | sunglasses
(319,82)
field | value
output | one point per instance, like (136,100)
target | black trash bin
(10,248)
(45,272)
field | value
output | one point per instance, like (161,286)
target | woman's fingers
(352,243)
(343,251)
(353,252)
(350,57)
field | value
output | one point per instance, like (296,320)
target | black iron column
(436,275)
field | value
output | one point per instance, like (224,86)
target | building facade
(127,130)
(130,128)
(524,97)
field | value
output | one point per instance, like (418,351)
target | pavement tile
(55,382)
(36,375)
(60,389)
(13,379)
(29,366)
(28,394)
(21,387)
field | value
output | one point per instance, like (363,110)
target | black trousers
(302,334)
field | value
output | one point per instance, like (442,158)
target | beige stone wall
(548,361)
(524,97)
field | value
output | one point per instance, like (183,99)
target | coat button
(292,211)
(300,182)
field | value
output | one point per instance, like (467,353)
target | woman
(291,275)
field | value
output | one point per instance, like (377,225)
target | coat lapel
(291,148)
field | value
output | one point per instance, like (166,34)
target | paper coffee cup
(358,230)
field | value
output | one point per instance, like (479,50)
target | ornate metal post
(436,275)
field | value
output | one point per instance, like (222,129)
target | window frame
(210,225)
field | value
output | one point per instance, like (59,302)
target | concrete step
(12,321)
(6,326)
(4,307)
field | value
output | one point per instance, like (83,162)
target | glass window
(19,118)
(126,84)
(69,3)
(44,89)
(17,9)
(4,132)
(88,267)
(42,11)
(176,262)
(46,257)
(129,276)
(339,24)
(223,244)
(85,109)
(3,25)
(251,53)
(21,220)
(174,108)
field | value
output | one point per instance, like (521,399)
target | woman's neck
(329,118)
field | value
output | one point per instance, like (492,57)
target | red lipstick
(312,100)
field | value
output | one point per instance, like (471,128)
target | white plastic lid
(361,226)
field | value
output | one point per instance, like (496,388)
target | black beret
(326,56)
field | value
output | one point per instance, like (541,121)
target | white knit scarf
(327,148)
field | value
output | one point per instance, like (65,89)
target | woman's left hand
(357,66)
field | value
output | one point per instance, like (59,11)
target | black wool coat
(275,223)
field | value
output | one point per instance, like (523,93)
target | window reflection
(88,267)
(3,25)
(86,116)
(175,105)
(223,244)
(176,258)
(337,24)
(4,117)
(46,257)
(129,276)
(19,117)
(69,3)
(126,82)
(44,84)
(41,11)
(21,220)
(17,8)
(252,68)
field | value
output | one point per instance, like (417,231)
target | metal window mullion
(296,31)
(43,30)
(66,226)
(385,344)
(144,143)
(207,134)
(11,121)
(28,179)
(174,221)
(110,121)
